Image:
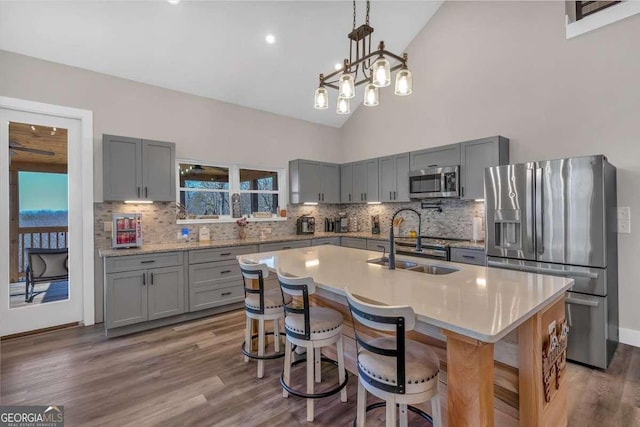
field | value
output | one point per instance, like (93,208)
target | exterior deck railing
(36,237)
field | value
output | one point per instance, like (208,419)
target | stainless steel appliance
(126,230)
(434,182)
(343,225)
(432,247)
(558,217)
(305,225)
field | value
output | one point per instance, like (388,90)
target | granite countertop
(186,246)
(480,302)
(468,244)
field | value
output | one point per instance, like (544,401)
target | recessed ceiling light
(338,66)
(173,2)
(270,38)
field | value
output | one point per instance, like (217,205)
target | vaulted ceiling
(214,49)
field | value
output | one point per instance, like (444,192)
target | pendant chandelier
(363,67)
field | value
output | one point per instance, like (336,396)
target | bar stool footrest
(321,395)
(409,407)
(269,356)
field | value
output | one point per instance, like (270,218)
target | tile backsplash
(159,220)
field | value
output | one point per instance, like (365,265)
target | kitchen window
(207,191)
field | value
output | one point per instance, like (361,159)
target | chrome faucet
(392,252)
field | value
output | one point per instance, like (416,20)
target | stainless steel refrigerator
(559,217)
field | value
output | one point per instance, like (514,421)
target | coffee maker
(342,223)
(305,225)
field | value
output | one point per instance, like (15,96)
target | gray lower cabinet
(281,246)
(469,256)
(137,291)
(353,242)
(165,292)
(475,157)
(215,278)
(138,169)
(377,245)
(326,241)
(126,298)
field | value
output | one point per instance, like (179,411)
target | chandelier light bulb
(346,87)
(371,95)
(381,72)
(321,99)
(404,84)
(344,106)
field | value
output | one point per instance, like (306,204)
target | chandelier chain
(368,7)
(354,14)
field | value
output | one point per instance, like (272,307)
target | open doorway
(38,214)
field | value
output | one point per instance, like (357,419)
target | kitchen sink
(399,264)
(433,269)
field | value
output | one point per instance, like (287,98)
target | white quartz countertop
(479,302)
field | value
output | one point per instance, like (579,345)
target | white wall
(202,128)
(484,68)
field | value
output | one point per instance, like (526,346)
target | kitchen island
(474,307)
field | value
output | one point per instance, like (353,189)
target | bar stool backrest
(254,271)
(397,319)
(298,287)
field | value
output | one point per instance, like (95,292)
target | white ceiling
(215,49)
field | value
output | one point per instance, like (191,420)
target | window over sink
(207,191)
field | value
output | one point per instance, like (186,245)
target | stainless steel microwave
(435,182)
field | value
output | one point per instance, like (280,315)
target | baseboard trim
(630,337)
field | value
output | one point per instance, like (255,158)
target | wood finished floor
(193,374)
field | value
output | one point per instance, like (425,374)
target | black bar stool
(399,371)
(311,328)
(261,305)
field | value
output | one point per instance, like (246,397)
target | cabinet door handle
(152,278)
(365,197)
(144,279)
(150,261)
(318,196)
(390,195)
(323,197)
(395,196)
(468,256)
(286,247)
(224,294)
(138,192)
(432,166)
(349,196)
(146,192)
(225,271)
(461,191)
(226,254)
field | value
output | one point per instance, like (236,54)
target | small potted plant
(242,230)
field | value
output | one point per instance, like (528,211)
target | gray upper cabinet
(122,167)
(314,182)
(365,181)
(394,178)
(137,169)
(330,183)
(477,155)
(448,155)
(159,171)
(346,183)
